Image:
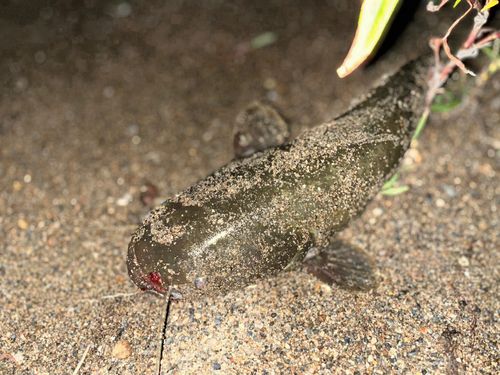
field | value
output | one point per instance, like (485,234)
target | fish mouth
(151,282)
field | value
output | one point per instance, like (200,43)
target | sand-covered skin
(152,96)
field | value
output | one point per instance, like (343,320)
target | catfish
(272,210)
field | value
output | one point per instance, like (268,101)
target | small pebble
(413,353)
(122,349)
(124,200)
(463,261)
(19,357)
(440,202)
(450,191)
(22,224)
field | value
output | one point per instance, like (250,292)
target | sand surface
(99,99)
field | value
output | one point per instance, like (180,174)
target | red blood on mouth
(154,282)
(155,279)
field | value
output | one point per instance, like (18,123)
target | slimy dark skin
(258,216)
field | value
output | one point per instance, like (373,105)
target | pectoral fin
(345,265)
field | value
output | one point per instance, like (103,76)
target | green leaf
(391,181)
(445,102)
(490,4)
(421,124)
(489,52)
(440,108)
(395,190)
(374,18)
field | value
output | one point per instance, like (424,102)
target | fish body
(258,216)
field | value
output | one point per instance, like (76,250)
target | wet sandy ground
(96,102)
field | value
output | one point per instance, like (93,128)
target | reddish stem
(9,356)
